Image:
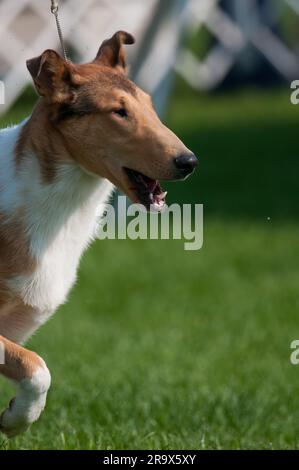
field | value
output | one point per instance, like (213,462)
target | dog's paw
(27,406)
(11,422)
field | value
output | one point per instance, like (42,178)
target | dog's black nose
(186,163)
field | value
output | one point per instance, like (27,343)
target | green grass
(161,348)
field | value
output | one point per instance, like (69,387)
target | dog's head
(109,125)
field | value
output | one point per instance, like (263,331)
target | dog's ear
(52,77)
(112,53)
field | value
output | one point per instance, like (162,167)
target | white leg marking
(27,406)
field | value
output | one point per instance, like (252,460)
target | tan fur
(15,258)
(44,140)
(77,119)
(143,143)
(20,363)
(15,318)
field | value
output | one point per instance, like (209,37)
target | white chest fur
(60,221)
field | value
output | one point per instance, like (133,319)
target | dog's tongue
(148,183)
(155,192)
(158,197)
(152,186)
(150,191)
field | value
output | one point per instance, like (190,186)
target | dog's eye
(121,112)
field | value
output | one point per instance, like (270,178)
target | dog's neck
(41,138)
(43,181)
(52,220)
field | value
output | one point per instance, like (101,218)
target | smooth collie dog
(91,130)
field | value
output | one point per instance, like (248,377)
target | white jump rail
(159,27)
(85,25)
(231,40)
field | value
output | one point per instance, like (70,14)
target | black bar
(135,458)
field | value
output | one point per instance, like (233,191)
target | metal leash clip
(54,10)
(54,7)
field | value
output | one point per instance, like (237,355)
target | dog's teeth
(161,196)
(158,206)
(151,186)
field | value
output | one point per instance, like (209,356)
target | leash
(54,10)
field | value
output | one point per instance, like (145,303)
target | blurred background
(157,347)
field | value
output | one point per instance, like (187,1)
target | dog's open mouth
(147,190)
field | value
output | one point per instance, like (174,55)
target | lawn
(159,348)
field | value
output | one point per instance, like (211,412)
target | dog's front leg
(32,376)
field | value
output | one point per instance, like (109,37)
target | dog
(91,131)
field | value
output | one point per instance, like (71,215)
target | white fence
(233,36)
(27,28)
